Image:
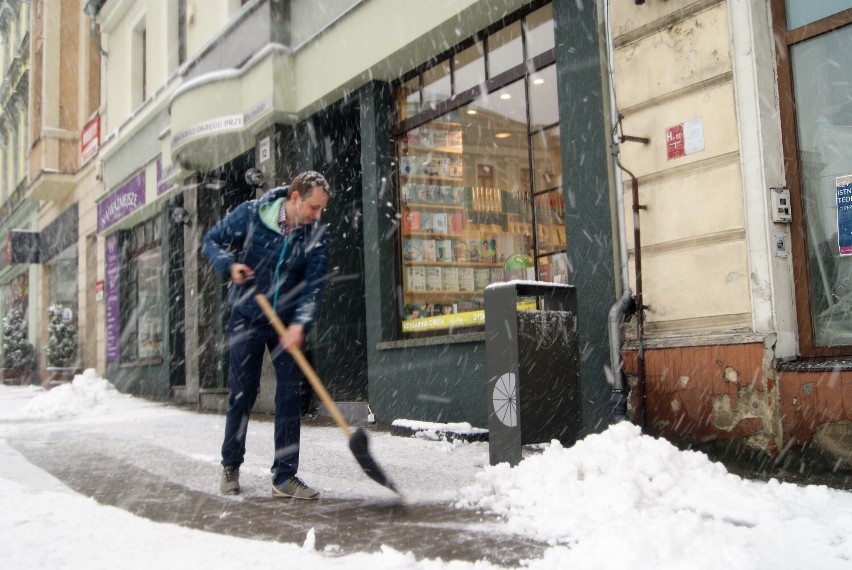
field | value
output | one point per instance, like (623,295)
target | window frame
(129,284)
(785,39)
(521,72)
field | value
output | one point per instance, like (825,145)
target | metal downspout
(625,305)
(640,307)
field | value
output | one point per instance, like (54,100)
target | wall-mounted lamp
(181,217)
(254,177)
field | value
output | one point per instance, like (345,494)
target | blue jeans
(248,341)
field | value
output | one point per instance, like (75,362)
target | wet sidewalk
(341,526)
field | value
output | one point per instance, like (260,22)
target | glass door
(815,82)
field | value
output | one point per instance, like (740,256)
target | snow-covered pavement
(614,500)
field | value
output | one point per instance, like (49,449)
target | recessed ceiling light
(538,80)
(506,96)
(503,135)
(471,111)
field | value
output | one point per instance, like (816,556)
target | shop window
(480,186)
(803,12)
(62,284)
(437,85)
(822,72)
(469,67)
(142,306)
(817,115)
(408,99)
(505,49)
(538,30)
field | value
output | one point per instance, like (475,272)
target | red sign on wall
(90,139)
(685,138)
(674,142)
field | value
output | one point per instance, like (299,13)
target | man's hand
(294,337)
(240,272)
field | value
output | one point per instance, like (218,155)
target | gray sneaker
(229,484)
(294,488)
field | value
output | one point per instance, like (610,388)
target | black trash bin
(532,366)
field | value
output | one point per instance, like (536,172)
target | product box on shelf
(481,278)
(444,250)
(466,279)
(412,250)
(440,223)
(415,278)
(427,223)
(456,223)
(473,250)
(429,249)
(411,222)
(434,280)
(450,278)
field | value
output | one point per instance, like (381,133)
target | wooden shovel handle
(303,363)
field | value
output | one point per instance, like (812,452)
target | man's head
(308,196)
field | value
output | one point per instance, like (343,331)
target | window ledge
(432,341)
(816,365)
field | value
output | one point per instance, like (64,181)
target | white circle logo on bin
(505,400)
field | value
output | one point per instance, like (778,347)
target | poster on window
(111,291)
(149,337)
(844,214)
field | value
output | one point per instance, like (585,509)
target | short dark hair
(305,183)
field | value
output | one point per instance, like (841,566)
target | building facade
(744,255)
(63,177)
(471,144)
(17,277)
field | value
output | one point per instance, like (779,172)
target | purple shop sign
(121,202)
(161,174)
(111,292)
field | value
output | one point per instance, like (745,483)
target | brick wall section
(814,399)
(709,392)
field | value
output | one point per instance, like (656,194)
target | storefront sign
(844,214)
(257,111)
(456,320)
(111,289)
(122,202)
(90,140)
(685,138)
(164,174)
(222,124)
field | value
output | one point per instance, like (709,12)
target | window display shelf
(433,206)
(433,149)
(431,178)
(452,264)
(441,297)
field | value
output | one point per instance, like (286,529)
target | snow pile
(621,499)
(87,393)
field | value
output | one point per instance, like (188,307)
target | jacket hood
(274,193)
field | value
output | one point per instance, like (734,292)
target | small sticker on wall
(263,153)
(685,138)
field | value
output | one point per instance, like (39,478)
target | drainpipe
(91,9)
(625,306)
(637,258)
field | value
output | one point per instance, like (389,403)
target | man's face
(310,209)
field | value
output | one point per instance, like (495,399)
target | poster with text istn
(844,214)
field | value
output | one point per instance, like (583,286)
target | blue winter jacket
(291,273)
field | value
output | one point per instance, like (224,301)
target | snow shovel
(358,442)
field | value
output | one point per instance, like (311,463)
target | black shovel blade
(360,447)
